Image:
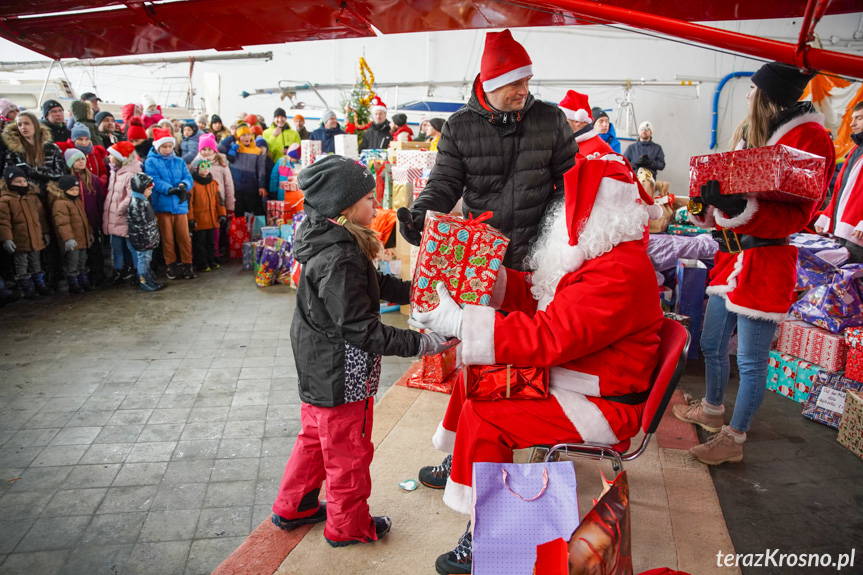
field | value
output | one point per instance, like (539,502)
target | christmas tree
(356,106)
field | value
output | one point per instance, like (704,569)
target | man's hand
(857,234)
(277,131)
(445,319)
(409,229)
(47,238)
(819,230)
(262,192)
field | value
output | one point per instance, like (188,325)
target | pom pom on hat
(378,104)
(576,107)
(504,61)
(251,119)
(257,130)
(136,129)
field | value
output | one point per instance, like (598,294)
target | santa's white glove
(445,319)
(9,246)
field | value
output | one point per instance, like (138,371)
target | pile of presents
(266,249)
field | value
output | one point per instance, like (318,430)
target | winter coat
(280,174)
(52,168)
(126,113)
(143,149)
(152,119)
(510,164)
(22,219)
(114,221)
(327,138)
(205,205)
(247,170)
(759,282)
(277,144)
(111,138)
(377,137)
(93,198)
(221,172)
(70,218)
(59,133)
(81,114)
(95,160)
(304,134)
(167,173)
(656,157)
(610,138)
(403,134)
(844,215)
(589,142)
(189,146)
(336,334)
(143,226)
(221,134)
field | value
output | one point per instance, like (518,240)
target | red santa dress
(844,219)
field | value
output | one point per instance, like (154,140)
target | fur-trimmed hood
(15,141)
(5,191)
(54,191)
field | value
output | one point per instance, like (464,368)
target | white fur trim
(846,231)
(162,141)
(498,293)
(443,439)
(376,108)
(586,417)
(477,335)
(859,226)
(576,381)
(815,117)
(754,313)
(654,211)
(731,282)
(581,115)
(823,222)
(571,258)
(739,220)
(458,497)
(117,155)
(587,135)
(705,220)
(493,84)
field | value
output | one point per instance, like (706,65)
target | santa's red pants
(490,430)
(334,444)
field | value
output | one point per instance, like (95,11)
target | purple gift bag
(517,507)
(836,305)
(812,271)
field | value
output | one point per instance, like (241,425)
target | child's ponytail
(367,238)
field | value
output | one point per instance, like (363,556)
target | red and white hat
(576,107)
(162,137)
(122,151)
(377,104)
(606,181)
(503,61)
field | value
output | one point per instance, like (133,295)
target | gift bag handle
(538,495)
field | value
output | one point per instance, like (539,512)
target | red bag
(499,381)
(238,234)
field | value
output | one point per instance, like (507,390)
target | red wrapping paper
(816,345)
(437,368)
(238,234)
(778,173)
(489,382)
(464,254)
(417,380)
(854,361)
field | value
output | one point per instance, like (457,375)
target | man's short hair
(858,106)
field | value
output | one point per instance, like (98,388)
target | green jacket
(277,144)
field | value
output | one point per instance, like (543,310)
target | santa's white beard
(604,229)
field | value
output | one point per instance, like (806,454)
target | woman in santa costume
(576,108)
(752,281)
(583,313)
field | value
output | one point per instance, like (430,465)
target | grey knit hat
(327,115)
(334,183)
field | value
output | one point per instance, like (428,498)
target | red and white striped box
(816,345)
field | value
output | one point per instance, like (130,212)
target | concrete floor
(145,433)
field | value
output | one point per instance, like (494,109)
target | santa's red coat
(599,336)
(850,206)
(759,282)
(95,160)
(590,143)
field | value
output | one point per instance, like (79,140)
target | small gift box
(249,255)
(812,344)
(493,382)
(238,234)
(419,186)
(778,173)
(826,400)
(269,232)
(854,361)
(685,230)
(438,372)
(791,376)
(404,175)
(464,254)
(309,150)
(421,159)
(286,231)
(851,427)
(275,210)
(346,145)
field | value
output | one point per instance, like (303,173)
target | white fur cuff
(477,335)
(458,497)
(741,219)
(823,222)
(705,219)
(443,439)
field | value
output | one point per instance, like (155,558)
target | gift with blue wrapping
(826,401)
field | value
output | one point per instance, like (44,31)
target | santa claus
(587,311)
(577,110)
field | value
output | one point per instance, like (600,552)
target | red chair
(673,347)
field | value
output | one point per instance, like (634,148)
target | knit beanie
(141,182)
(148,101)
(782,84)
(166,122)
(437,123)
(335,183)
(7,107)
(201,119)
(67,182)
(327,115)
(71,155)
(241,130)
(79,130)
(400,119)
(294,151)
(261,142)
(216,118)
(13,172)
(504,61)
(597,113)
(122,151)
(646,125)
(280,112)
(102,115)
(49,105)
(136,129)
(257,130)
(193,125)
(207,141)
(251,119)
(299,117)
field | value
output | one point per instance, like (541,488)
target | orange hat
(299,117)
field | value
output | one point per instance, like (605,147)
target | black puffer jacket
(143,226)
(51,169)
(336,334)
(509,163)
(376,137)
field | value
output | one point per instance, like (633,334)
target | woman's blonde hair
(367,238)
(754,130)
(35,154)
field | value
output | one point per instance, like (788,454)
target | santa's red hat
(606,181)
(576,107)
(136,129)
(377,104)
(122,151)
(503,61)
(162,137)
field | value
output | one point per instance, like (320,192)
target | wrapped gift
(421,159)
(778,173)
(812,271)
(298,219)
(268,262)
(464,254)
(827,398)
(404,175)
(309,150)
(418,381)
(685,230)
(813,344)
(791,376)
(286,262)
(346,145)
(286,231)
(851,427)
(269,232)
(419,186)
(854,362)
(683,320)
(437,368)
(499,381)
(249,255)
(681,216)
(238,234)
(369,157)
(837,305)
(275,211)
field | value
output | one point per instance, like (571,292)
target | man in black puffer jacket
(505,152)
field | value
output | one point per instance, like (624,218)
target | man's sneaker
(291,524)
(721,448)
(459,560)
(383,525)
(694,413)
(189,272)
(435,476)
(173,273)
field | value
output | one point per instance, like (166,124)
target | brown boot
(721,448)
(694,413)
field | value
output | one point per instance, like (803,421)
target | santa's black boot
(459,560)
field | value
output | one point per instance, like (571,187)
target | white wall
(681,116)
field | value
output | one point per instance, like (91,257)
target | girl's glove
(434,343)
(71,245)
(9,246)
(445,319)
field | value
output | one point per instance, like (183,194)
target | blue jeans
(754,337)
(123,252)
(144,258)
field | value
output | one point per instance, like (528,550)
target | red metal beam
(825,60)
